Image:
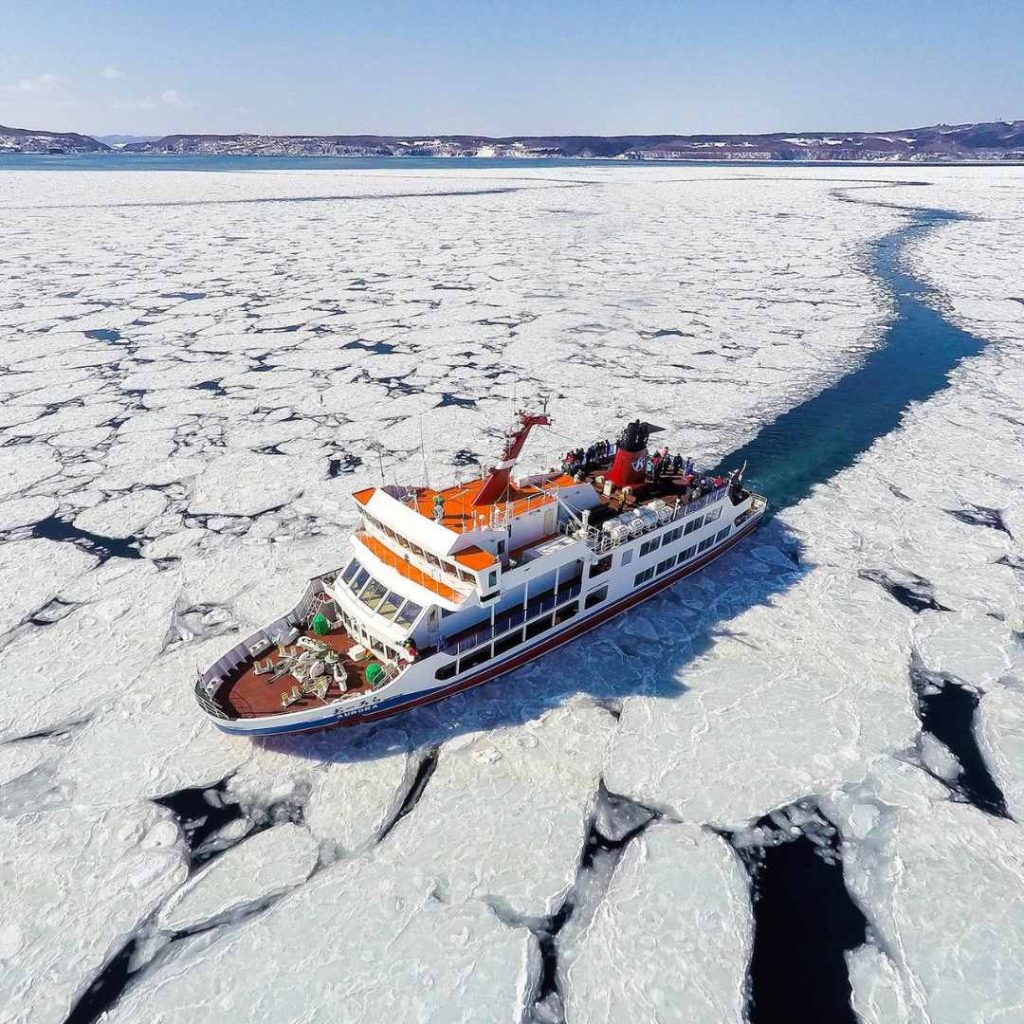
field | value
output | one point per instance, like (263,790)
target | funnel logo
(639,464)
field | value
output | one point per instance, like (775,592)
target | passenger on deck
(677,463)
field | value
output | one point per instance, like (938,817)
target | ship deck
(248,695)
(666,487)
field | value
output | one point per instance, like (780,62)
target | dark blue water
(815,440)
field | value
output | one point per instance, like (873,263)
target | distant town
(988,142)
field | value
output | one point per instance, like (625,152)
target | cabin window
(350,570)
(567,611)
(595,597)
(705,544)
(666,564)
(501,547)
(713,514)
(649,545)
(492,580)
(722,534)
(465,575)
(507,642)
(359,581)
(372,594)
(446,671)
(538,626)
(643,577)
(478,657)
(409,614)
(688,553)
(694,524)
(601,566)
(672,535)
(627,556)
(389,605)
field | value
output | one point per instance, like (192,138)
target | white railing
(210,681)
(601,541)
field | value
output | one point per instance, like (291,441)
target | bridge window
(409,613)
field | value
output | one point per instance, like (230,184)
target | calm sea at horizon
(190,162)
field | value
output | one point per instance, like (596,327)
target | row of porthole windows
(439,563)
(511,640)
(684,556)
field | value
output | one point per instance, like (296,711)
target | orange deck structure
(250,696)
(460,514)
(392,558)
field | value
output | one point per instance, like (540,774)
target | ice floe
(183,415)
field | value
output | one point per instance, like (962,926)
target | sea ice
(211,387)
(671,938)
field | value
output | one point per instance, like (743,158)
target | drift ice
(449,589)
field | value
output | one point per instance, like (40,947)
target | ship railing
(504,513)
(243,653)
(601,541)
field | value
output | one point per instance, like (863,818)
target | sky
(489,67)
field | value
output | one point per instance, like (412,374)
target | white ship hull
(442,672)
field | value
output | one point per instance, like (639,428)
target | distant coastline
(988,142)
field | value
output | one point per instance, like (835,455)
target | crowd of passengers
(580,460)
(661,462)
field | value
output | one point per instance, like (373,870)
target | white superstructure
(447,589)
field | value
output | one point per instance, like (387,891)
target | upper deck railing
(601,541)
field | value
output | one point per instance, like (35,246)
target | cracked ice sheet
(506,810)
(810,687)
(374,943)
(670,940)
(766,308)
(524,302)
(74,886)
(940,883)
(266,865)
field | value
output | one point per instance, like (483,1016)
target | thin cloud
(111,74)
(43,84)
(171,97)
(143,104)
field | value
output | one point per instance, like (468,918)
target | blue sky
(393,67)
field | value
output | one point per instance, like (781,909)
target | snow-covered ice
(196,370)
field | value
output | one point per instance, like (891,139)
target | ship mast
(496,483)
